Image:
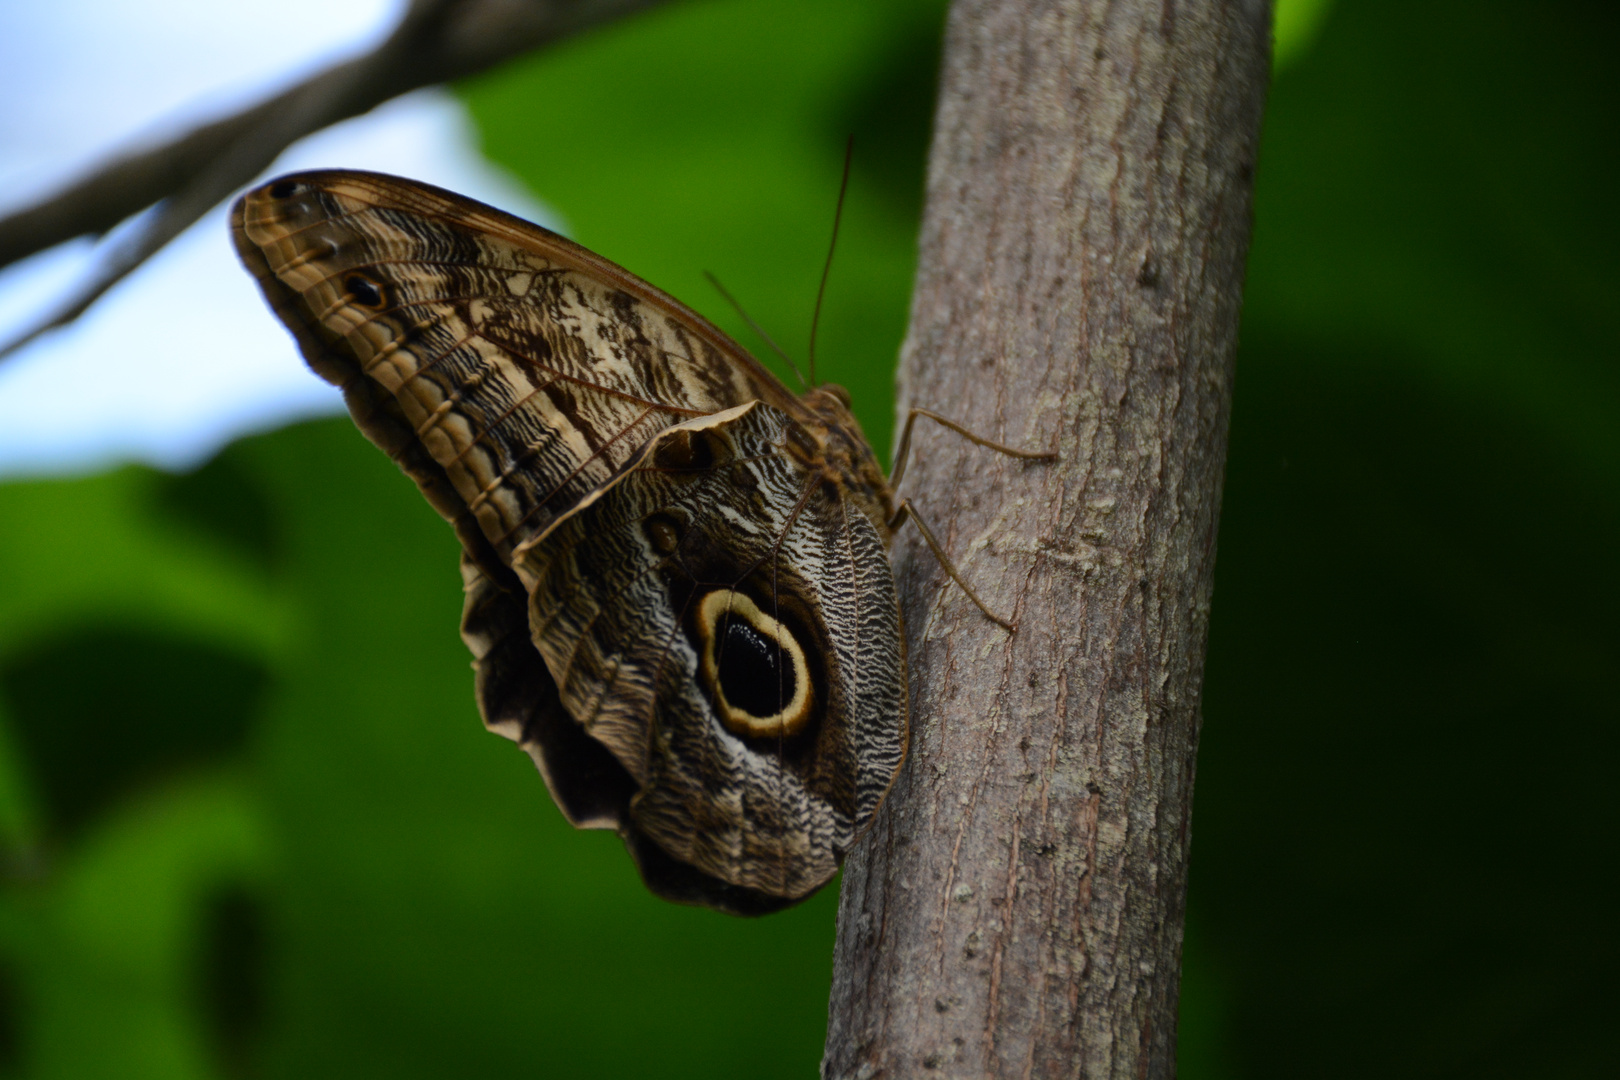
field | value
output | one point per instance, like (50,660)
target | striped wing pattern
(504,369)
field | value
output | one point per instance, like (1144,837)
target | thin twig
(436,41)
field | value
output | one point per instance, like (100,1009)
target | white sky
(182,356)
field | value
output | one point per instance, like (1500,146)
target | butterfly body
(678,594)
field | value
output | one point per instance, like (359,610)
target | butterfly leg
(904,455)
(909,512)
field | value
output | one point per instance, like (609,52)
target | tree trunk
(1017,908)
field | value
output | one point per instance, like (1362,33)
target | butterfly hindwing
(715,620)
(518,699)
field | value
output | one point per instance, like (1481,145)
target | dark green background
(251,824)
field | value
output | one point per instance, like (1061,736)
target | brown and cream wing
(725,624)
(507,369)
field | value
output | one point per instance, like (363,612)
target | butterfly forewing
(502,353)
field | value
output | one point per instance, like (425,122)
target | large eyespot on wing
(509,371)
(730,633)
(754,668)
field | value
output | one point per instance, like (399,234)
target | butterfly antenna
(838,215)
(756,328)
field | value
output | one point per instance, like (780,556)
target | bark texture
(1017,909)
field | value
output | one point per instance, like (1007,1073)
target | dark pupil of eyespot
(281,189)
(753,673)
(363,291)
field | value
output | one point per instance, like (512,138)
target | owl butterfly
(678,594)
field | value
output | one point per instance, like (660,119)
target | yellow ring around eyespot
(796,713)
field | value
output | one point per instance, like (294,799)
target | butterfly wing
(508,370)
(517,377)
(724,622)
(518,700)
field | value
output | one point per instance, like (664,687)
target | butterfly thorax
(841,454)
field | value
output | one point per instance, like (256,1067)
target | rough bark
(1017,909)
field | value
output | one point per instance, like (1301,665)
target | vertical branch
(1017,908)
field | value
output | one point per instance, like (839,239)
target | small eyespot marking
(755,670)
(688,451)
(366,292)
(282,189)
(663,532)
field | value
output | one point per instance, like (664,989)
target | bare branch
(437,41)
(1016,909)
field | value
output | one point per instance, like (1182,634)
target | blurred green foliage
(1405,817)
(252,827)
